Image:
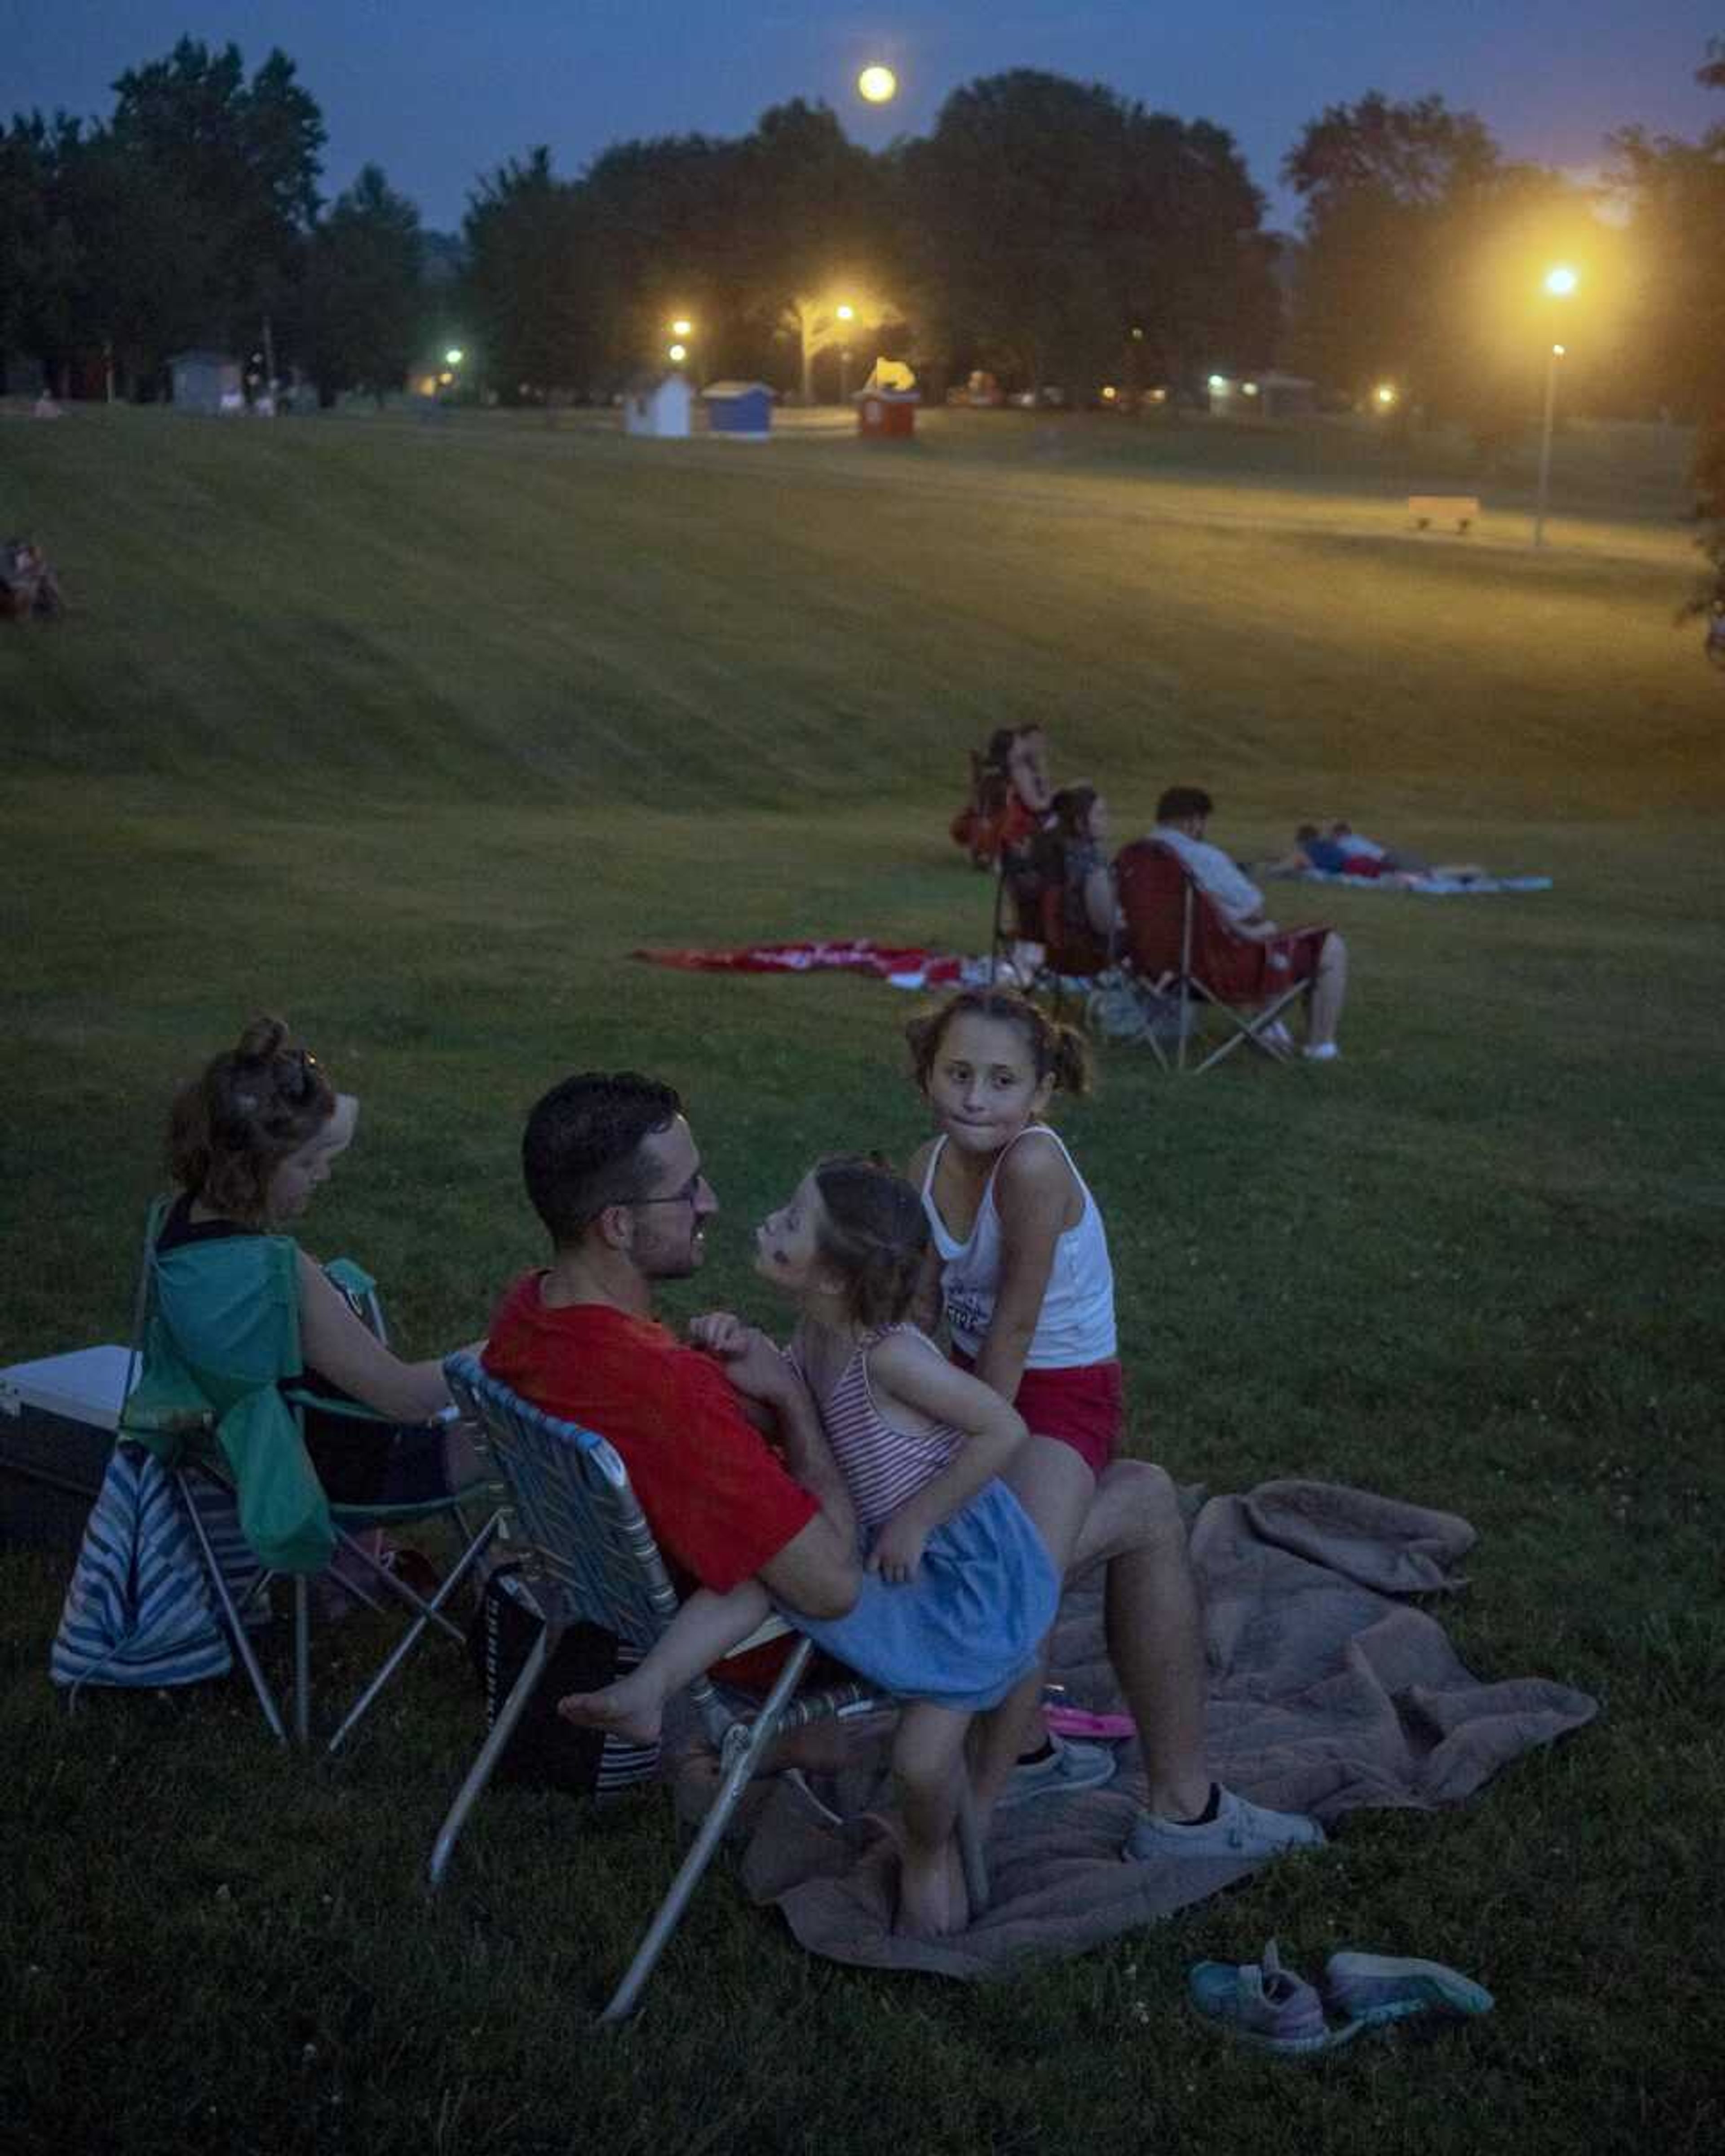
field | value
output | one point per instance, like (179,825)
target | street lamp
(455,356)
(677,353)
(1560,283)
(682,327)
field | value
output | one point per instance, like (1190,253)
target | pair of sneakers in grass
(1265,2005)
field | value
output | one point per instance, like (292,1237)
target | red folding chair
(1180,945)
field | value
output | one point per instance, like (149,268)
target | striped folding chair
(590,1555)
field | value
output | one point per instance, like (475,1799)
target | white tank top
(1075,1325)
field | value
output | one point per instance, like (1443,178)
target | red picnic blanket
(859,954)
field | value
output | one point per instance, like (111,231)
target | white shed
(206,382)
(657,404)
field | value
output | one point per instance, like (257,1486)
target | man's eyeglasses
(689,1194)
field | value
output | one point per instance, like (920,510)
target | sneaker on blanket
(1235,1829)
(1068,1767)
(1262,2003)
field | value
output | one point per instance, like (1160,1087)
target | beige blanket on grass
(1330,1689)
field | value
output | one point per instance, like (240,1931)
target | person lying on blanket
(1341,851)
(613,1171)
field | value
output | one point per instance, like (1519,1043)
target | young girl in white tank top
(1025,1282)
(1027,1290)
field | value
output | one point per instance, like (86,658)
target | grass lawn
(414,730)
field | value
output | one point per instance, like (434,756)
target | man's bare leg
(1329,989)
(1057,1490)
(1154,1626)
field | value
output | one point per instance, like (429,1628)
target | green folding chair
(218,1334)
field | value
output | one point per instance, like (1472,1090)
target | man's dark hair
(580,1150)
(1180,802)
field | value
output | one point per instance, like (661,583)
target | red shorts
(1083,1406)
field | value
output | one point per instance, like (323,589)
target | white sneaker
(1250,1832)
(1321,1051)
(1069,1767)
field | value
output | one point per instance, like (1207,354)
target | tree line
(1046,230)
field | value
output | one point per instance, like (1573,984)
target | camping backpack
(546,1752)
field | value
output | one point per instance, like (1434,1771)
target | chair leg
(399,1588)
(302,1661)
(404,1646)
(235,1623)
(496,1738)
(738,1772)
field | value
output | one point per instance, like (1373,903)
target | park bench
(1429,509)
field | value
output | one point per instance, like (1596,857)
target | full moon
(877,84)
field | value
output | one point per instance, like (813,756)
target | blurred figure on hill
(28,586)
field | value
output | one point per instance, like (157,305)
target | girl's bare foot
(628,1709)
(931,1901)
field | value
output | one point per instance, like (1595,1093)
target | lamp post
(1559,283)
(818,327)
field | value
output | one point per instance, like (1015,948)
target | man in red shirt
(615,1175)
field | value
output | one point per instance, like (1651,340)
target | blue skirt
(968,1626)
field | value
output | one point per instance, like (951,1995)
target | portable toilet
(743,410)
(887,415)
(657,404)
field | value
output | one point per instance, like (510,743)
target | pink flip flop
(1080,1722)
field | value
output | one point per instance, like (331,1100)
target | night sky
(438,91)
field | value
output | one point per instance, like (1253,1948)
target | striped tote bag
(139,1610)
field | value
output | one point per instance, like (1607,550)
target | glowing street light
(846,313)
(877,85)
(1560,283)
(455,356)
(682,327)
(1383,396)
(677,353)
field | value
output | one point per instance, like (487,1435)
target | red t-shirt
(719,1501)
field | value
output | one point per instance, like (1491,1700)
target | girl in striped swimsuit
(958,1588)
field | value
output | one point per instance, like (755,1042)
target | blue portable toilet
(743,410)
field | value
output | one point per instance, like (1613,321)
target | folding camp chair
(1179,947)
(218,1328)
(591,1556)
(1068,954)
